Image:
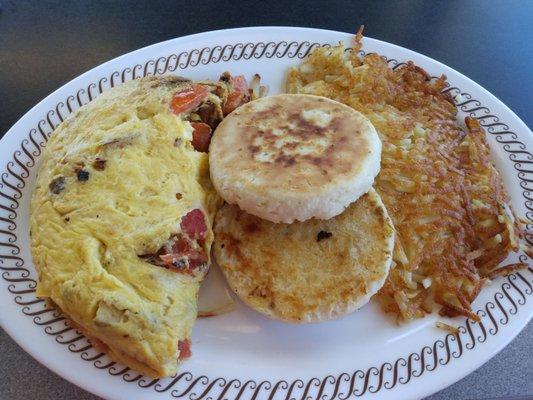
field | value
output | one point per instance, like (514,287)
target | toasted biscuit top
(317,139)
(298,144)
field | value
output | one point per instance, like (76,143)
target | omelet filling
(121,219)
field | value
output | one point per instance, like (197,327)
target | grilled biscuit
(293,157)
(306,271)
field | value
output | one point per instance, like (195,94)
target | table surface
(44,44)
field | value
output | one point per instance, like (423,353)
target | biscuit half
(306,271)
(292,157)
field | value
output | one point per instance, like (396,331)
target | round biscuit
(306,271)
(291,157)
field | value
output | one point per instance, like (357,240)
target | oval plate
(242,355)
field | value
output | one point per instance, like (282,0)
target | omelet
(121,216)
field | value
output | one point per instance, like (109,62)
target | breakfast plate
(242,355)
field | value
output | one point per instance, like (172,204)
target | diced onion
(224,309)
(447,327)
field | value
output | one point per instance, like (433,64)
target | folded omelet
(121,218)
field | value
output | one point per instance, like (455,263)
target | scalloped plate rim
(13,132)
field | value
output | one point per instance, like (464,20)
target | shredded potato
(447,327)
(444,195)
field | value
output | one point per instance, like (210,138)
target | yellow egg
(116,180)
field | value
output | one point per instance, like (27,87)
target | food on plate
(121,215)
(444,195)
(306,271)
(129,186)
(294,157)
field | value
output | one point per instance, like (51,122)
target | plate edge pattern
(513,292)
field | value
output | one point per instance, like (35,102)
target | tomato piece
(188,99)
(234,100)
(184,346)
(183,252)
(238,96)
(193,224)
(180,245)
(182,257)
(201,136)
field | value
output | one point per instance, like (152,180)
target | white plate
(243,355)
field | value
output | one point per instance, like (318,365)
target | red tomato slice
(234,100)
(201,136)
(184,346)
(193,224)
(188,99)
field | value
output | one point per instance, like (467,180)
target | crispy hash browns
(445,197)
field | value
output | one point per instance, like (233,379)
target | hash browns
(445,197)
